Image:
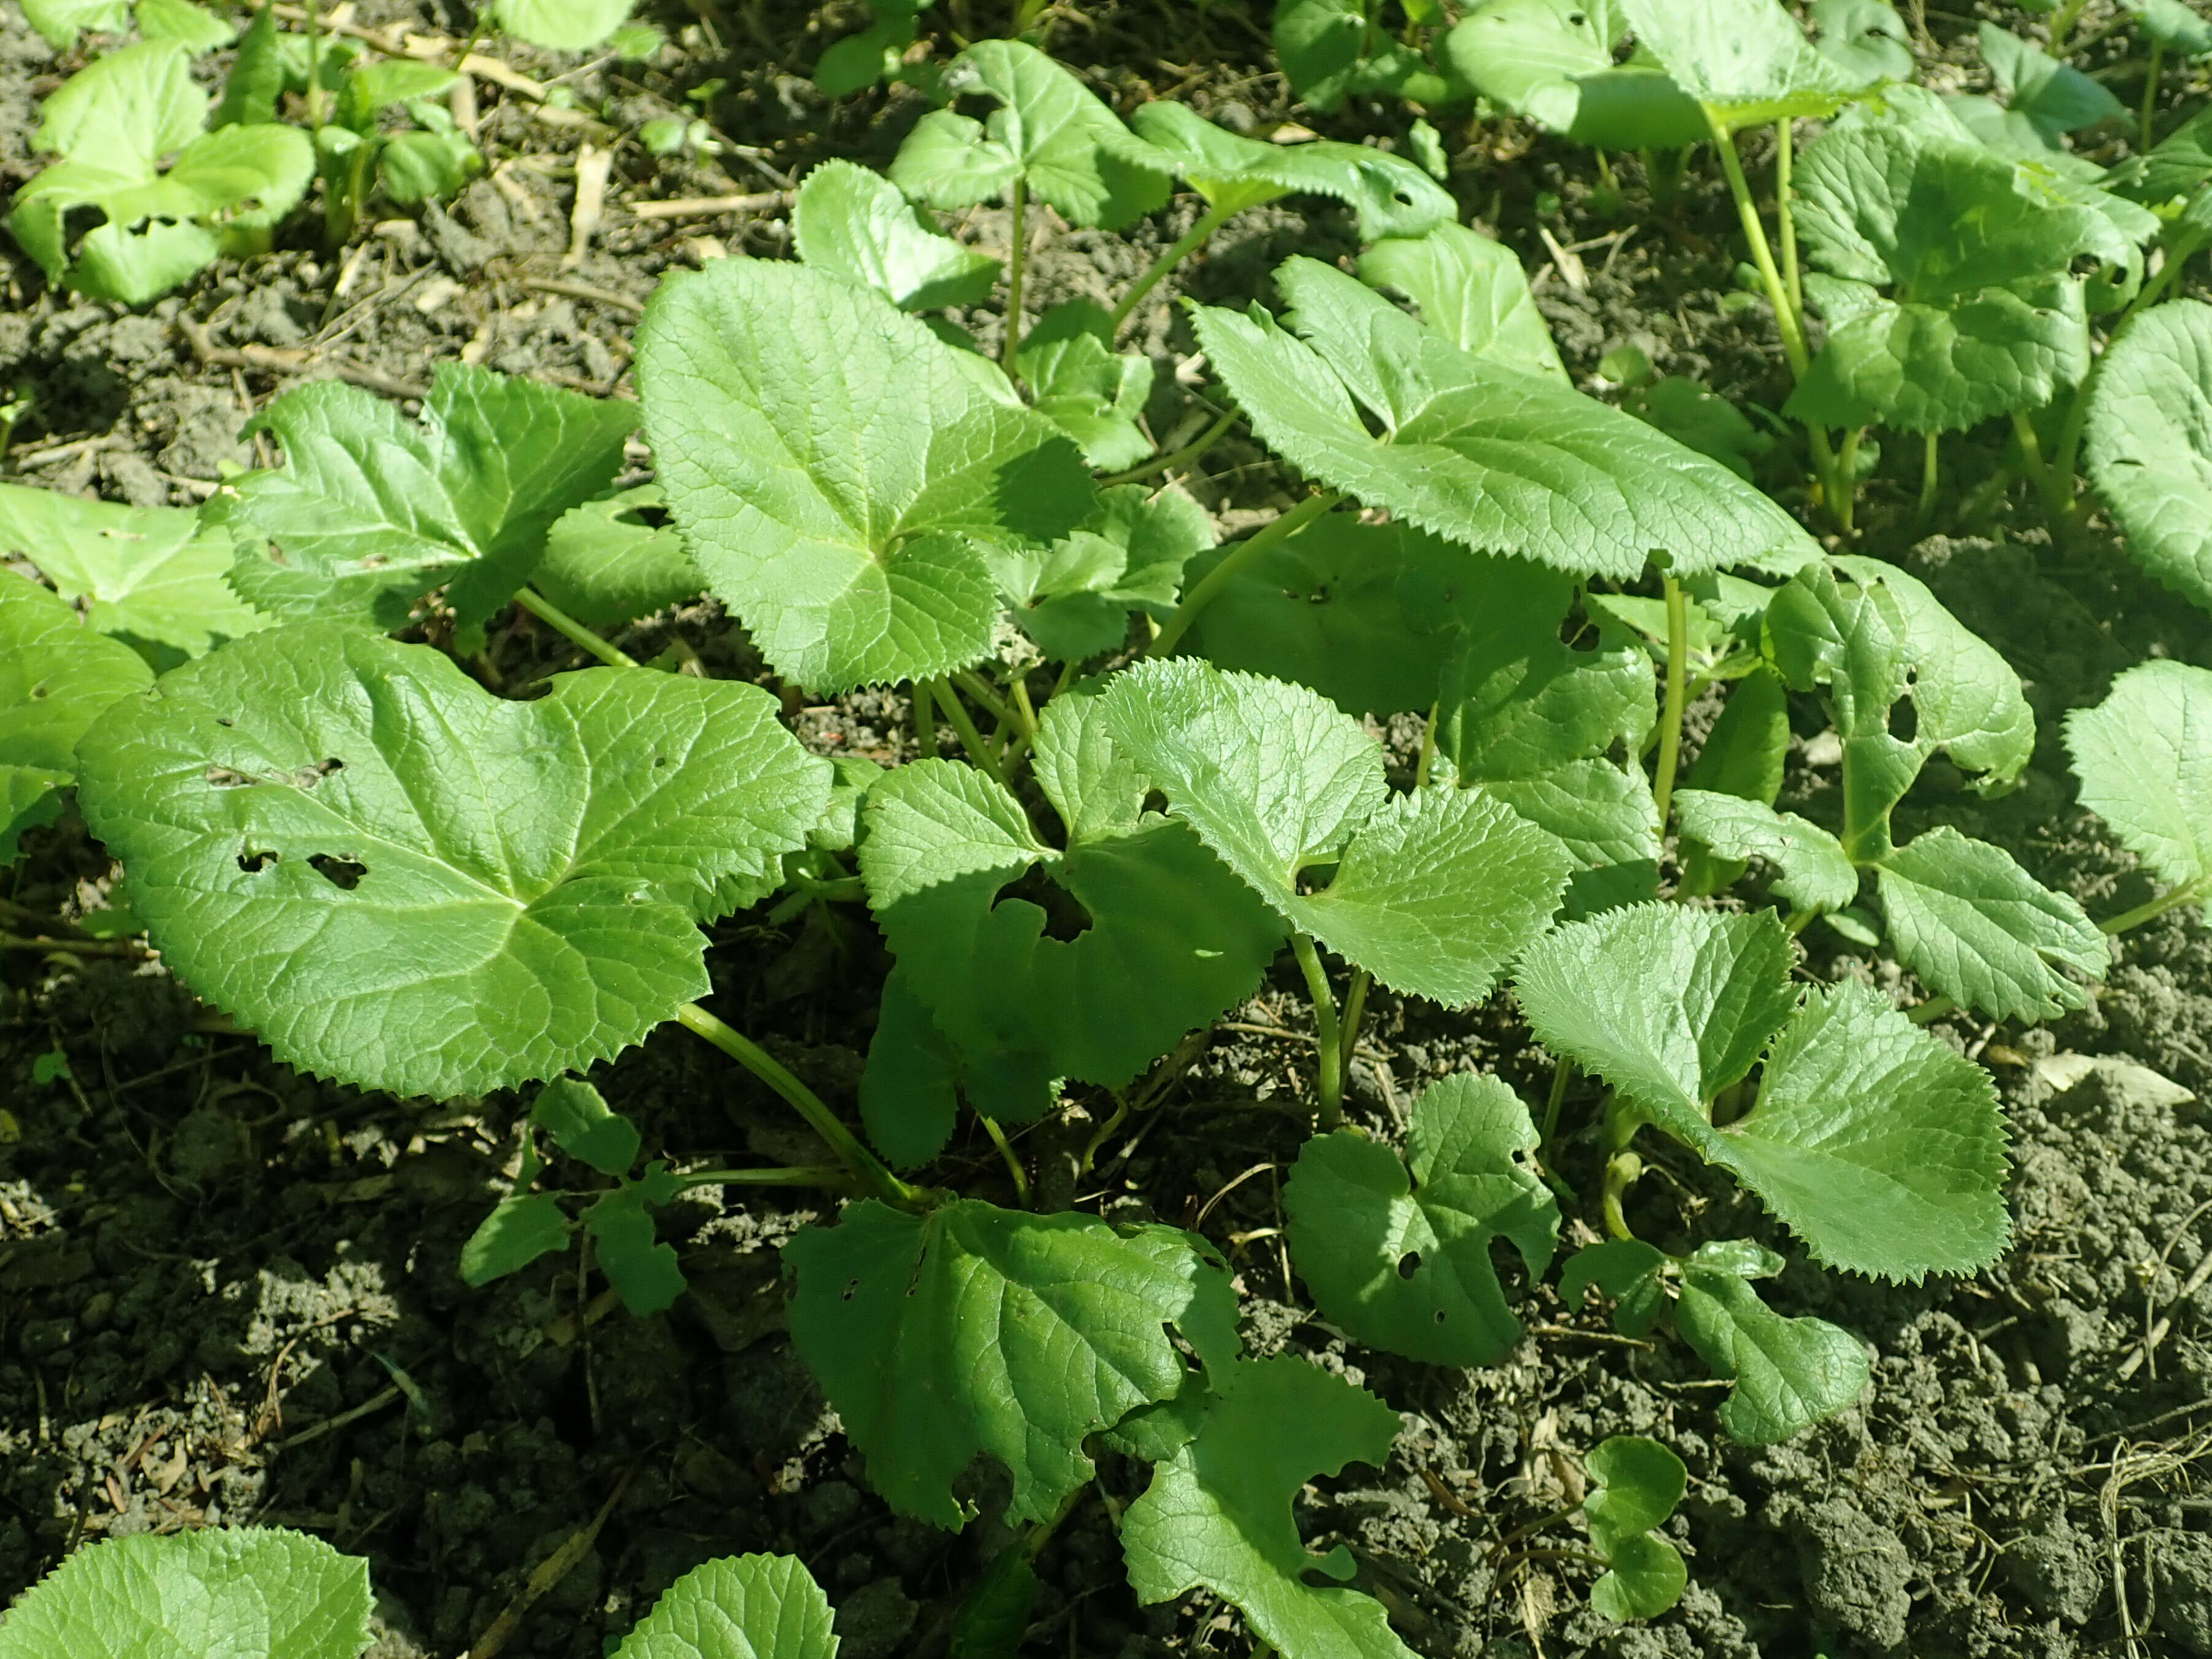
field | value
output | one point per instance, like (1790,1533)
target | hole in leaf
(1155,801)
(254,863)
(342,873)
(1065,918)
(1403,197)
(652,518)
(38,691)
(1409,1264)
(218,721)
(661,760)
(1904,720)
(1576,19)
(851,1285)
(223,778)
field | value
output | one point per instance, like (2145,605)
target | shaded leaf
(58,678)
(1788,1373)
(741,1607)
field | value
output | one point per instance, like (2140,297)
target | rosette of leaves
(371,511)
(1217,1513)
(1745,63)
(852,222)
(57,677)
(131,132)
(1047,134)
(840,474)
(2149,450)
(1880,1148)
(152,577)
(1982,315)
(355,148)
(1432,892)
(1961,913)
(978,1331)
(1137,935)
(1472,449)
(1391,195)
(1551,61)
(321,834)
(2144,758)
(1396,1251)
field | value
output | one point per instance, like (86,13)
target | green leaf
(852,222)
(58,678)
(560,25)
(607,562)
(518,1230)
(1398,1253)
(2144,758)
(1320,44)
(424,166)
(1155,937)
(1551,61)
(1342,607)
(909,1102)
(1980,930)
(58,20)
(2172,25)
(858,61)
(260,1593)
(642,1272)
(1217,1514)
(1638,1482)
(585,1126)
(371,511)
(2149,451)
(1500,461)
(256,83)
(861,560)
(1814,872)
(1084,386)
(1745,752)
(1865,38)
(994,1616)
(2053,97)
(1703,421)
(371,88)
(975,1330)
(1626,1269)
(1746,61)
(1433,893)
(1586,988)
(321,834)
(1470,289)
(193,27)
(1604,815)
(127,108)
(147,573)
(1075,597)
(1788,1373)
(1048,130)
(1391,195)
(741,1607)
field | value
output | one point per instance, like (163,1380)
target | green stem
(1183,457)
(2057,503)
(1621,1171)
(1928,1013)
(566,625)
(1847,479)
(1785,158)
(314,65)
(1355,1010)
(1929,474)
(1013,1164)
(1176,251)
(2062,25)
(1428,756)
(1670,720)
(1563,1073)
(1330,1081)
(1023,712)
(2150,93)
(857,1158)
(970,738)
(823,1176)
(2190,893)
(1239,558)
(1120,1115)
(1018,202)
(974,684)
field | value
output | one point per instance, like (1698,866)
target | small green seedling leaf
(193,27)
(2144,757)
(560,25)
(1434,892)
(1553,61)
(852,222)
(1473,450)
(1747,62)
(255,1593)
(1217,1513)
(2048,97)
(1978,929)
(2172,25)
(1880,1147)
(371,511)
(1470,289)
(51,1067)
(1391,195)
(617,559)
(977,1330)
(1813,872)
(1084,386)
(1075,597)
(1629,1271)
(1396,1252)
(152,574)
(643,1272)
(585,1126)
(521,1228)
(1865,38)
(995,1615)
(2149,456)
(57,677)
(864,560)
(1788,1373)
(1049,131)
(1637,1484)
(59,21)
(741,1607)
(909,1094)
(320,832)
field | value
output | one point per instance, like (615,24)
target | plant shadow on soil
(229,1292)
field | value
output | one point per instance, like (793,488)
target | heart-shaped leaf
(741,1607)
(1788,1373)
(1638,1482)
